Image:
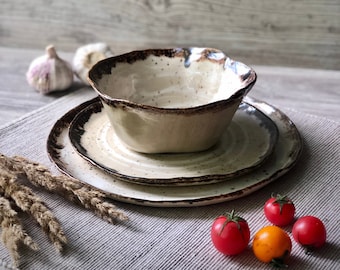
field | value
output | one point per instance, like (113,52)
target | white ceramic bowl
(171,100)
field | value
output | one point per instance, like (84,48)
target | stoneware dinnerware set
(173,127)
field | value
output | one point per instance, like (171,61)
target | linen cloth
(177,238)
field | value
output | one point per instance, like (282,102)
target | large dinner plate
(245,145)
(284,156)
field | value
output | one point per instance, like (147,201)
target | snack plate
(281,160)
(244,146)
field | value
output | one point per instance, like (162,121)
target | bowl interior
(174,78)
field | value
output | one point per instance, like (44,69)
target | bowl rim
(104,67)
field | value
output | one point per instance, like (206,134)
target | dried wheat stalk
(70,188)
(11,189)
(28,202)
(12,232)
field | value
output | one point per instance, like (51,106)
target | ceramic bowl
(171,100)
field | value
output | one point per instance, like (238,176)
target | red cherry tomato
(279,210)
(309,232)
(230,234)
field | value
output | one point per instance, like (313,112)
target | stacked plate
(260,145)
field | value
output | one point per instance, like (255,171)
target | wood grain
(16,96)
(304,33)
(308,90)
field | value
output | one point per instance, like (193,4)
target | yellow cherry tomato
(272,245)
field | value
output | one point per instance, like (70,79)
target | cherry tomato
(230,234)
(272,245)
(309,232)
(279,210)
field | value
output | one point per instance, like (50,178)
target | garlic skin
(49,72)
(88,55)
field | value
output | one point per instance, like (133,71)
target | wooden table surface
(308,90)
(314,181)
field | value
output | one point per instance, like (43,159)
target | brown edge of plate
(64,121)
(76,130)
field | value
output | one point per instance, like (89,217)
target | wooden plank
(301,33)
(311,91)
(16,96)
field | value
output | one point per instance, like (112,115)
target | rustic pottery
(244,146)
(281,160)
(171,100)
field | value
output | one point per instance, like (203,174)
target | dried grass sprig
(13,190)
(12,232)
(70,188)
(91,199)
(28,202)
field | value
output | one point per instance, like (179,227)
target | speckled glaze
(285,154)
(171,100)
(249,140)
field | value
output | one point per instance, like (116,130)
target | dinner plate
(246,143)
(284,156)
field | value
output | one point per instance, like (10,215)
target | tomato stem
(281,200)
(308,249)
(280,262)
(231,217)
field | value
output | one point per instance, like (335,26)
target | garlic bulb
(49,73)
(88,55)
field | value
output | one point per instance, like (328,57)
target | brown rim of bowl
(104,67)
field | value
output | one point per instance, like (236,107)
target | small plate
(283,158)
(247,142)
